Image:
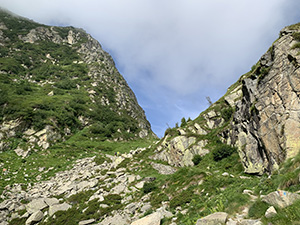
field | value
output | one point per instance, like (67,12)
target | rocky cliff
(56,81)
(259,114)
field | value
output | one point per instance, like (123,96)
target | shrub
(171,132)
(227,113)
(99,160)
(70,217)
(296,36)
(112,199)
(196,159)
(222,151)
(80,197)
(148,187)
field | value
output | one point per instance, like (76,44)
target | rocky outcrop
(266,122)
(259,114)
(180,150)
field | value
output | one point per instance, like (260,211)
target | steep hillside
(56,81)
(259,115)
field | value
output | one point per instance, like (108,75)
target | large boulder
(35,217)
(280,198)
(271,211)
(218,218)
(152,219)
(163,169)
(60,207)
(36,205)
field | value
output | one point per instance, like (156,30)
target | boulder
(116,219)
(21,152)
(36,205)
(51,201)
(163,169)
(152,219)
(140,184)
(5,204)
(199,129)
(119,188)
(59,207)
(250,222)
(86,222)
(280,198)
(218,218)
(271,211)
(35,217)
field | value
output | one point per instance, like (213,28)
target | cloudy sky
(173,53)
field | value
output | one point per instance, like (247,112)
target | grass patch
(286,216)
(258,209)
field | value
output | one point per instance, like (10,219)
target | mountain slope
(57,81)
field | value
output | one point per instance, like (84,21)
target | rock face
(180,150)
(259,114)
(266,122)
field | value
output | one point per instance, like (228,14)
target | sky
(173,53)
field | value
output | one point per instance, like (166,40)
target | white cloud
(173,52)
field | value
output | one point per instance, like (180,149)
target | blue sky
(173,53)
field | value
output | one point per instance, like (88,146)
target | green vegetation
(222,151)
(157,199)
(149,187)
(183,122)
(285,216)
(258,209)
(60,157)
(196,159)
(181,199)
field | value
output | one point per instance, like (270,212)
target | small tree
(183,122)
(209,101)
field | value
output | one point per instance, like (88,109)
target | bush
(222,151)
(171,132)
(99,160)
(227,113)
(148,187)
(196,159)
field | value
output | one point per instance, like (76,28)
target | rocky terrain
(76,148)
